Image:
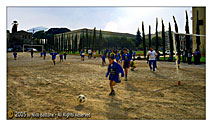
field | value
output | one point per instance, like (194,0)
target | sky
(116,19)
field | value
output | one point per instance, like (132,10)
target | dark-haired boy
(54,54)
(114,69)
(126,58)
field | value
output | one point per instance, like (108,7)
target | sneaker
(112,93)
(125,79)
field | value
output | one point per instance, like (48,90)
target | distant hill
(57,30)
(36,29)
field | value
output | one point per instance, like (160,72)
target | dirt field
(35,85)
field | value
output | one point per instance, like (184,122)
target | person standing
(64,54)
(54,54)
(44,54)
(189,56)
(15,54)
(157,58)
(134,53)
(32,53)
(126,58)
(152,55)
(131,53)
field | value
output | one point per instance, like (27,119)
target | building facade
(202,28)
(66,41)
(17,39)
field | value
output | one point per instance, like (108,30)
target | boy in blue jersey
(103,59)
(15,54)
(126,58)
(114,69)
(109,54)
(134,53)
(61,57)
(117,57)
(44,54)
(112,54)
(82,55)
(54,54)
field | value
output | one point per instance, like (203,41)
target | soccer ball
(81,98)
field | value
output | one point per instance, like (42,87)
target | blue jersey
(81,53)
(44,53)
(103,58)
(53,55)
(114,71)
(109,54)
(15,54)
(134,54)
(117,56)
(61,56)
(126,57)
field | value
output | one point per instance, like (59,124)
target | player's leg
(54,61)
(112,83)
(150,64)
(125,70)
(153,65)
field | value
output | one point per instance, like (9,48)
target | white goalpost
(27,45)
(175,50)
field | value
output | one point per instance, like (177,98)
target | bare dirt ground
(36,85)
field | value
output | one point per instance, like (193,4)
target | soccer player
(114,69)
(89,53)
(126,58)
(15,54)
(112,54)
(41,54)
(134,53)
(133,65)
(152,55)
(44,54)
(61,57)
(64,54)
(54,54)
(109,54)
(117,57)
(82,54)
(103,59)
(32,53)
(94,54)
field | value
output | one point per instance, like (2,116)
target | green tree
(100,41)
(94,39)
(150,43)
(156,41)
(187,36)
(164,39)
(177,37)
(138,38)
(144,44)
(170,41)
(87,41)
(15,26)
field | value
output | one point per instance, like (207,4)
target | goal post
(27,45)
(175,50)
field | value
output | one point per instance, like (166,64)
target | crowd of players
(119,62)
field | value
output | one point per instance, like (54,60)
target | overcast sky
(116,19)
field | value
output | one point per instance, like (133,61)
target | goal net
(27,47)
(179,43)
